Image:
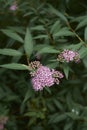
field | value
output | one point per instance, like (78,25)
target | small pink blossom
(36,84)
(68,55)
(13,7)
(1,126)
(44,77)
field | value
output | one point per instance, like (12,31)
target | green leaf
(75,47)
(17,29)
(48,90)
(15,66)
(63,32)
(56,26)
(85,87)
(29,94)
(48,49)
(58,104)
(53,65)
(83,52)
(38,28)
(68,126)
(73,115)
(85,61)
(78,19)
(10,52)
(57,118)
(56,12)
(66,70)
(12,35)
(28,44)
(85,34)
(69,101)
(31,114)
(41,36)
(82,24)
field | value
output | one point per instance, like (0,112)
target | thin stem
(68,24)
(49,35)
(27,60)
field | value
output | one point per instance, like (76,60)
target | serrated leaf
(63,32)
(30,114)
(28,44)
(66,70)
(58,118)
(85,61)
(12,35)
(41,36)
(56,26)
(56,12)
(73,115)
(10,52)
(48,90)
(85,34)
(69,101)
(17,29)
(58,104)
(15,66)
(83,52)
(85,87)
(53,65)
(28,13)
(68,126)
(29,94)
(47,49)
(78,19)
(38,28)
(82,24)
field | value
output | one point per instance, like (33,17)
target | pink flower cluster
(69,55)
(45,77)
(3,121)
(13,7)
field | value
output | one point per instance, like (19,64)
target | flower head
(68,55)
(44,77)
(13,7)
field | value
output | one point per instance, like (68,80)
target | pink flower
(1,126)
(42,78)
(13,7)
(3,121)
(45,77)
(68,55)
(36,84)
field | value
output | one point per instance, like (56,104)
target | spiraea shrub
(43,65)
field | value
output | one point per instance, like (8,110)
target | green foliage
(44,28)
(28,45)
